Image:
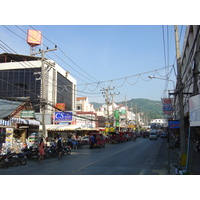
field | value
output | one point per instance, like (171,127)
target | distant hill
(152,109)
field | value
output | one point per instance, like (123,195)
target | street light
(151,77)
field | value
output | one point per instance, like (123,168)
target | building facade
(20,76)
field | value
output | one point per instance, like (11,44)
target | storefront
(66,132)
(18,133)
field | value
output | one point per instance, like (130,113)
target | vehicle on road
(85,139)
(145,134)
(163,135)
(99,139)
(153,136)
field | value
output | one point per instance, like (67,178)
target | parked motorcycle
(31,152)
(21,158)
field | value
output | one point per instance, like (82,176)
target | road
(143,157)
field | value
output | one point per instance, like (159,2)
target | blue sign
(173,124)
(63,116)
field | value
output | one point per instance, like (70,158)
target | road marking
(72,172)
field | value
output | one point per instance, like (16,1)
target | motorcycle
(21,158)
(67,150)
(31,152)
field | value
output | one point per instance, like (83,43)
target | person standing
(92,141)
(41,150)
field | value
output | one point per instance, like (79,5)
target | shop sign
(9,136)
(60,106)
(63,116)
(167,106)
(173,124)
(28,114)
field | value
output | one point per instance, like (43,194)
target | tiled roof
(80,98)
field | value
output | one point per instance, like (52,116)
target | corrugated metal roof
(7,107)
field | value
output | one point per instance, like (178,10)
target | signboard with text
(173,124)
(167,106)
(63,116)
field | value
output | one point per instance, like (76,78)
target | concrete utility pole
(43,93)
(180,95)
(113,105)
(105,94)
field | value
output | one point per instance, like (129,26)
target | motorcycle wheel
(23,161)
(69,152)
(13,161)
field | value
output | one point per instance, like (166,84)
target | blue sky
(113,55)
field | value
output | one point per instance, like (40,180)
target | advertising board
(63,116)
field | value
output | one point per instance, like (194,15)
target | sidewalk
(175,162)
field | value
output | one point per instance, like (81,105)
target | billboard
(63,116)
(60,106)
(167,106)
(194,108)
(34,37)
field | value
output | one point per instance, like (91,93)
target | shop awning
(54,127)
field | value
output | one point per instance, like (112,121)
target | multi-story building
(190,67)
(20,76)
(86,116)
(189,73)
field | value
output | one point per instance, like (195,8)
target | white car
(153,136)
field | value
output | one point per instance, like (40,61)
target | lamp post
(151,77)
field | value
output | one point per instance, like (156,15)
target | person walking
(41,150)
(59,146)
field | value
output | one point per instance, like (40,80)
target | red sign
(60,106)
(167,106)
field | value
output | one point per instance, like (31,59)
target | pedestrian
(59,147)
(92,141)
(41,150)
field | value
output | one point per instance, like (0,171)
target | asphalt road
(143,157)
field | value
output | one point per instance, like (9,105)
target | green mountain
(151,109)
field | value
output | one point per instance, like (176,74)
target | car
(163,135)
(153,136)
(85,139)
(145,134)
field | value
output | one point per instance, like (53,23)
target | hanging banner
(194,108)
(167,106)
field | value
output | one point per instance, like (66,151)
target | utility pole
(43,93)
(113,107)
(105,94)
(126,112)
(180,96)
